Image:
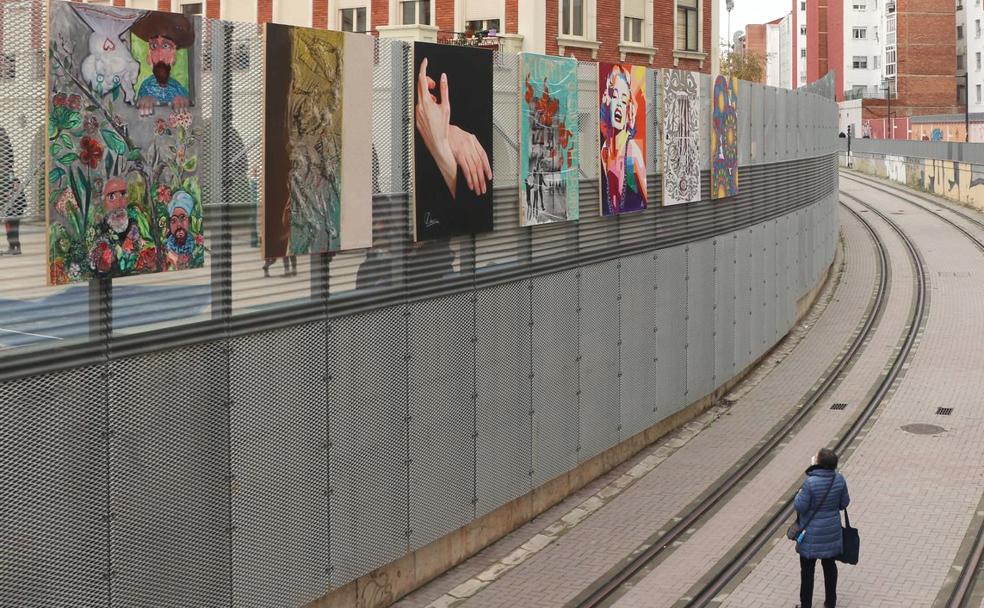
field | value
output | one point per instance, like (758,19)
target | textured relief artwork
(317,182)
(549,187)
(681,137)
(622,122)
(123,133)
(724,138)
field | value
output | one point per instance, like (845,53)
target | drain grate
(838,406)
(944,411)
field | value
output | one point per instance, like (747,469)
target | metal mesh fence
(223,438)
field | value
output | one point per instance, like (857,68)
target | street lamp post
(966,101)
(730,4)
(888,96)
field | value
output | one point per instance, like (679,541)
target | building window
(860,33)
(633,18)
(803,5)
(860,62)
(876,61)
(482,25)
(860,5)
(978,93)
(961,63)
(415,12)
(802,52)
(802,30)
(688,19)
(977,28)
(959,32)
(191,9)
(572,17)
(353,19)
(977,57)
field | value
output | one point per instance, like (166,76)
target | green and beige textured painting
(317,193)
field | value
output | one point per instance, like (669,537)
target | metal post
(967,106)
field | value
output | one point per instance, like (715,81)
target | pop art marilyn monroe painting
(623,138)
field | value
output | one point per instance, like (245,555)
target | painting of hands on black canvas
(452,141)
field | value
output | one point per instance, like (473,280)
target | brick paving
(913,495)
(559,572)
(777,479)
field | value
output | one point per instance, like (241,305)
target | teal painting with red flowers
(124,128)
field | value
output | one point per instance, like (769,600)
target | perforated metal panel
(724,308)
(555,381)
(638,407)
(700,312)
(503,447)
(598,416)
(671,325)
(169,478)
(280,544)
(745,113)
(53,488)
(368,450)
(803,245)
(758,291)
(743,299)
(786,263)
(442,417)
(770,295)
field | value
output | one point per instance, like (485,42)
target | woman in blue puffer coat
(822,539)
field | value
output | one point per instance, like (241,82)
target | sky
(751,11)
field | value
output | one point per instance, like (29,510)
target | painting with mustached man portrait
(123,139)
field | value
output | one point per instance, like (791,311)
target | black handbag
(794,529)
(852,542)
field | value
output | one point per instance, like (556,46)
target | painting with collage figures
(452,193)
(724,138)
(681,137)
(317,185)
(549,188)
(622,121)
(123,135)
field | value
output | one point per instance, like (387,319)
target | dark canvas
(437,212)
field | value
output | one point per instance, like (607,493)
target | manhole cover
(923,429)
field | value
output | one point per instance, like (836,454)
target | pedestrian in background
(13,203)
(818,505)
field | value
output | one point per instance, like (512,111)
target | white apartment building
(773,49)
(799,39)
(970,46)
(779,60)
(863,48)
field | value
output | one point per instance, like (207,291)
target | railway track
(605,588)
(963,592)
(720,579)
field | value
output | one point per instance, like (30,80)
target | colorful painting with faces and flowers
(622,120)
(123,193)
(724,138)
(549,188)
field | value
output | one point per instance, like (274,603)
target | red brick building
(658,33)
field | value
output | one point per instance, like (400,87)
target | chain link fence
(220,438)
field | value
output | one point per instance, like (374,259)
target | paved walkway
(914,495)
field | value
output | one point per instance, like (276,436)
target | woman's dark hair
(827,459)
